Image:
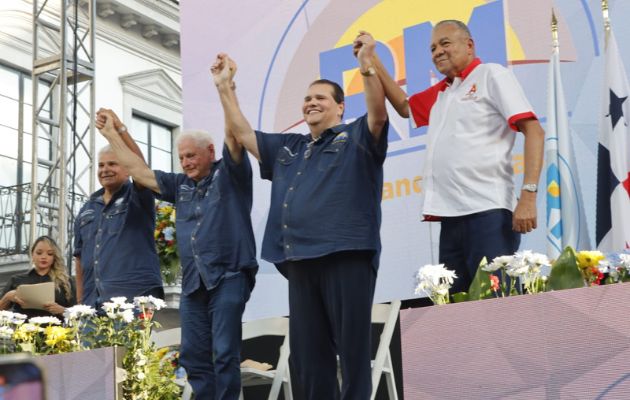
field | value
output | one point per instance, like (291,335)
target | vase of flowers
(166,242)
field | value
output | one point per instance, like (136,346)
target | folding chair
(382,364)
(280,377)
(386,314)
(167,338)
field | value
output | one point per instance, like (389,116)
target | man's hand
(524,218)
(363,47)
(100,115)
(105,122)
(223,70)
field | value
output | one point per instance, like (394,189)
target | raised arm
(396,96)
(525,217)
(125,136)
(364,46)
(133,163)
(122,130)
(238,130)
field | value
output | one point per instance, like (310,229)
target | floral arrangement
(118,323)
(166,242)
(528,273)
(435,281)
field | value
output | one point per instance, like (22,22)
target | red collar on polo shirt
(446,82)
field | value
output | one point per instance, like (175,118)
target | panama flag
(566,222)
(613,156)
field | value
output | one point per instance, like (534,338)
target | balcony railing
(15,216)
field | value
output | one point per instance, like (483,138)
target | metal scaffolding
(63,56)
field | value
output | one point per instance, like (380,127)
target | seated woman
(48,266)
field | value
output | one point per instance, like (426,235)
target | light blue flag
(566,222)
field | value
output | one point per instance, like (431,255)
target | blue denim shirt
(325,195)
(116,245)
(214,228)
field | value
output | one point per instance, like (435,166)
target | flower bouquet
(119,323)
(166,242)
(435,281)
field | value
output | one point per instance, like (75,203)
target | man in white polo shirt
(473,116)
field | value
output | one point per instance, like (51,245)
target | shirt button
(299,173)
(288,246)
(285,205)
(285,226)
(291,188)
(96,262)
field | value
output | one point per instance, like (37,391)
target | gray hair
(201,138)
(105,149)
(458,24)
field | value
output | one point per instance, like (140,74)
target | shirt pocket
(115,218)
(332,155)
(184,205)
(86,226)
(284,159)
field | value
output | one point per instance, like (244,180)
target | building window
(16,127)
(156,142)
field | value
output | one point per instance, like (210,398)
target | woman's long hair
(57,271)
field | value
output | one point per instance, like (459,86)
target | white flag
(566,221)
(613,156)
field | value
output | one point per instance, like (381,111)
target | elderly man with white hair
(213,200)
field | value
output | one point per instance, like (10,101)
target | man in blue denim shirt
(213,200)
(323,224)
(114,247)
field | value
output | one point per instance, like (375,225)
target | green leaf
(480,287)
(460,297)
(565,273)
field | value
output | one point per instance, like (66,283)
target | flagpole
(606,22)
(554,30)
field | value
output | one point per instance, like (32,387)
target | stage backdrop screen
(280,46)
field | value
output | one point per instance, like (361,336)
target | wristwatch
(369,71)
(122,129)
(530,187)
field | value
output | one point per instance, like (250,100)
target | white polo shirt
(468,167)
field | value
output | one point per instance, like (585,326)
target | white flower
(45,321)
(6,332)
(79,311)
(149,302)
(118,308)
(119,300)
(498,263)
(169,233)
(10,317)
(127,315)
(28,327)
(141,375)
(435,281)
(625,260)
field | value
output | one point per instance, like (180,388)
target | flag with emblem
(566,221)
(613,156)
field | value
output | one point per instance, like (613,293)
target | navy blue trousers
(211,337)
(466,240)
(330,301)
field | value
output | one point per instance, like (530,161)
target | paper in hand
(35,296)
